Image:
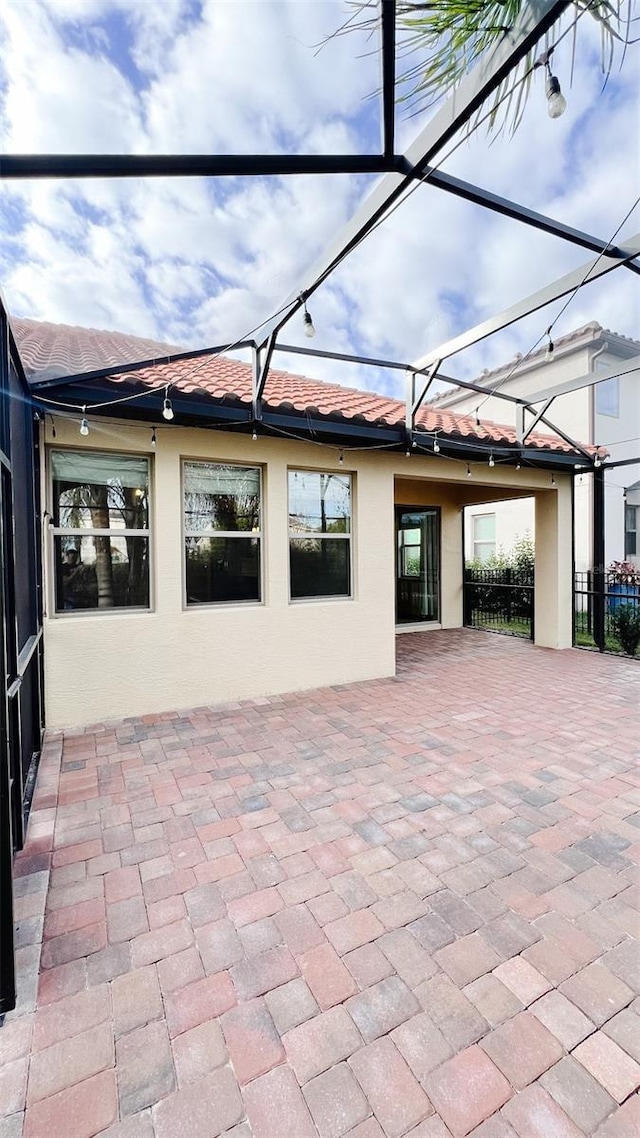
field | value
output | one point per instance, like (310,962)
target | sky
(198,262)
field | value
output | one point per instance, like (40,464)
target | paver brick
(70,1061)
(336,1102)
(354,930)
(563,1019)
(198,1052)
(153,946)
(204,904)
(580,1096)
(522,1048)
(467,958)
(597,992)
(411,961)
(459,1021)
(624,1029)
(397,1099)
(275,1105)
(252,1040)
(624,962)
(79,1112)
(618,1073)
(624,1123)
(203,1109)
(219,945)
(421,1044)
(13,1086)
(263,972)
(299,928)
(145,1068)
(493,999)
(379,1009)
(68,1017)
(522,979)
(318,1044)
(535,1114)
(291,1004)
(179,970)
(328,978)
(199,1001)
(136,1000)
(368,964)
(466,1090)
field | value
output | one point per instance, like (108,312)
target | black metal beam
(260,373)
(599,600)
(388,62)
(394,365)
(23,166)
(517,212)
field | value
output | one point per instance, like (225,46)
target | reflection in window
(100,530)
(222,532)
(608,397)
(319,534)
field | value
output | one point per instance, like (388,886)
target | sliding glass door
(417,564)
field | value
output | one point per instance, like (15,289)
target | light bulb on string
(492,460)
(478,423)
(254,435)
(341,459)
(597,461)
(407,453)
(556,102)
(518,464)
(167,408)
(548,355)
(84,425)
(436,446)
(553,480)
(468,471)
(309,329)
(153,437)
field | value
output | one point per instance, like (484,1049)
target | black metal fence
(500,600)
(21,664)
(598,599)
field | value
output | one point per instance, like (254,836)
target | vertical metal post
(599,606)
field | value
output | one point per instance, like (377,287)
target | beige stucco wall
(107,665)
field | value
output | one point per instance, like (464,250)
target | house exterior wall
(111,664)
(621,435)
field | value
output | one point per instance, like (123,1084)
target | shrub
(626,623)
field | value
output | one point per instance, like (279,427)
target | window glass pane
(483,550)
(222,569)
(608,397)
(484,527)
(319,503)
(101,572)
(218,497)
(320,567)
(100,491)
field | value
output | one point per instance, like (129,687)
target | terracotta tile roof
(49,351)
(229,380)
(53,350)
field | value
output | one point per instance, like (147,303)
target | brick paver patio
(404,907)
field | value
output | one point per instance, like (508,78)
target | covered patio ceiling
(402,174)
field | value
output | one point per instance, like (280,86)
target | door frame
(425,622)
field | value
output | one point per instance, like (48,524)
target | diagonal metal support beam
(536,419)
(388,66)
(260,371)
(537,300)
(517,212)
(536,19)
(567,438)
(414,402)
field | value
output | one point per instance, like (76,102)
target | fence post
(599,605)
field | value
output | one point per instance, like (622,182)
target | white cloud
(199,262)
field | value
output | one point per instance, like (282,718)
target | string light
(468,471)
(341,459)
(407,453)
(84,425)
(436,446)
(254,435)
(597,461)
(518,465)
(492,460)
(548,355)
(478,423)
(153,437)
(553,480)
(167,408)
(309,329)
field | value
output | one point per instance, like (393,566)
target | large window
(100,528)
(630,531)
(484,536)
(319,534)
(222,532)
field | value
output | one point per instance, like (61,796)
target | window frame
(630,510)
(70,531)
(482,541)
(196,605)
(323,598)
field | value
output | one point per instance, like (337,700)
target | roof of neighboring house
(49,350)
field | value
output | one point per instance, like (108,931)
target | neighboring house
(605,414)
(211,554)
